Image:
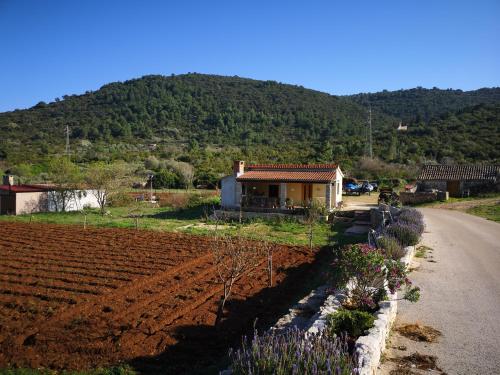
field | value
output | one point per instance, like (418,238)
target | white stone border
(369,348)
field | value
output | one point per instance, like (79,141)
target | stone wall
(419,197)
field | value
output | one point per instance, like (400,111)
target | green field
(189,220)
(490,212)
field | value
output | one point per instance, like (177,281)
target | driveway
(460,283)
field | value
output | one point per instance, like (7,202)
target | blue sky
(52,48)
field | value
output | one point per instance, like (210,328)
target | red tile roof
(459,172)
(23,188)
(295,167)
(319,173)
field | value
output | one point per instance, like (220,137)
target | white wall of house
(27,203)
(80,199)
(230,192)
(337,187)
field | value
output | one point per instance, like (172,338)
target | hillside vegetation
(208,121)
(422,105)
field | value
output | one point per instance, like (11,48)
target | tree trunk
(270,267)
(310,236)
(220,311)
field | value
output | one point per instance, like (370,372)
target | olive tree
(66,178)
(312,214)
(233,257)
(105,180)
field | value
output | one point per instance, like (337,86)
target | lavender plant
(408,234)
(412,217)
(292,352)
(391,247)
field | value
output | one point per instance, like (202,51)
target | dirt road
(460,281)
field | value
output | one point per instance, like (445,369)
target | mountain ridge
(188,115)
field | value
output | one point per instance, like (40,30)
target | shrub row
(407,230)
(292,352)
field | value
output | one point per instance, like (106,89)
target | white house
(281,186)
(24,199)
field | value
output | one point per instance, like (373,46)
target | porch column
(282,195)
(237,194)
(328,197)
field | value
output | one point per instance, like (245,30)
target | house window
(338,188)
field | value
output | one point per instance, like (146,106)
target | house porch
(280,197)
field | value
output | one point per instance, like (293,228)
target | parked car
(375,185)
(352,188)
(366,187)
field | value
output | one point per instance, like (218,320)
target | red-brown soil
(74,299)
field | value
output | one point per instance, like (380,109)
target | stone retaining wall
(369,348)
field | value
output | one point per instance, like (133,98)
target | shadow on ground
(202,349)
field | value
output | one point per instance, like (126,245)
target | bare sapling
(268,251)
(312,215)
(233,257)
(31,207)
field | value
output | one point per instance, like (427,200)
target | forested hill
(177,111)
(208,120)
(419,104)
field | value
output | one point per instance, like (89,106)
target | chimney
(238,167)
(8,180)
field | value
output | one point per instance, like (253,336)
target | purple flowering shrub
(408,234)
(292,352)
(371,272)
(412,217)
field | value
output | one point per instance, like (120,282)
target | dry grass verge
(415,361)
(419,332)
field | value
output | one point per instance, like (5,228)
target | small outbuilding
(459,180)
(26,199)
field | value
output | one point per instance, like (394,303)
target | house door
(453,188)
(274,191)
(307,192)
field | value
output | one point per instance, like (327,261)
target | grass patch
(453,200)
(422,251)
(490,212)
(188,220)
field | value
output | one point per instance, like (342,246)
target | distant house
(278,187)
(402,127)
(24,199)
(459,180)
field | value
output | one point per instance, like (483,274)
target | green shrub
(121,199)
(352,322)
(371,273)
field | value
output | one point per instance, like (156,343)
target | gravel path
(460,282)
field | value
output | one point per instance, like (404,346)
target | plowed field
(75,299)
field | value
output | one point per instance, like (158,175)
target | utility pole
(67,141)
(369,134)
